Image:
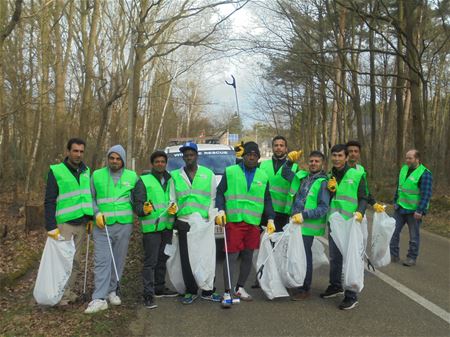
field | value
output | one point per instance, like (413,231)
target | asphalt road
(383,310)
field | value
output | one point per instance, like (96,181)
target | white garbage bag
(267,272)
(54,271)
(290,256)
(382,230)
(349,238)
(319,257)
(173,265)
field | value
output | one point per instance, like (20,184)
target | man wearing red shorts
(244,194)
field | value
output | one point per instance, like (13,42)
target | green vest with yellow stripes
(408,188)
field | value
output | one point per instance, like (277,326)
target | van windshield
(216,160)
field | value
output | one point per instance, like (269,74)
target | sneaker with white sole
(96,306)
(114,299)
(242,294)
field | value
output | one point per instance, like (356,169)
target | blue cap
(189,146)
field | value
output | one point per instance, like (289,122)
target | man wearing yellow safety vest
(111,188)
(68,206)
(354,156)
(242,198)
(151,203)
(349,198)
(279,187)
(311,202)
(192,189)
(411,201)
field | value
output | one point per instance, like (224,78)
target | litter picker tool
(89,231)
(233,84)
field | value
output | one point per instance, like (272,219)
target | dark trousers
(336,268)
(154,269)
(280,221)
(414,234)
(307,242)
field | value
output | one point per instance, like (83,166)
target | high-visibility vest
(74,198)
(408,188)
(314,227)
(160,200)
(345,201)
(114,200)
(194,198)
(278,187)
(242,204)
(361,168)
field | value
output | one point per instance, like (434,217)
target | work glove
(173,209)
(270,227)
(379,208)
(100,220)
(221,218)
(148,208)
(89,225)
(239,149)
(332,184)
(358,216)
(297,218)
(294,156)
(55,234)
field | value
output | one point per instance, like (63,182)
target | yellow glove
(270,227)
(332,184)
(239,149)
(297,218)
(100,220)
(55,234)
(173,209)
(294,156)
(89,225)
(379,208)
(221,218)
(358,216)
(148,208)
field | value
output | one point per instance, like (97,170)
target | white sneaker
(242,294)
(96,306)
(114,299)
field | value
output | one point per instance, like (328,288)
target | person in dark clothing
(68,206)
(150,200)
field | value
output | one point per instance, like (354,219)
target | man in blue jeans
(412,197)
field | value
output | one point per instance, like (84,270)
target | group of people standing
(250,195)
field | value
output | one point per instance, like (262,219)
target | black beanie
(251,147)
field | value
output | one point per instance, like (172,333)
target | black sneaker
(348,303)
(149,303)
(332,291)
(166,293)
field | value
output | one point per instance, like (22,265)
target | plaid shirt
(425,186)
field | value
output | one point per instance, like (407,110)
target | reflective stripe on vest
(242,205)
(113,200)
(278,187)
(194,198)
(408,188)
(345,201)
(160,200)
(74,200)
(314,227)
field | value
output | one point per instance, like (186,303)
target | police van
(216,157)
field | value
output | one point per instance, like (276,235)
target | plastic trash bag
(54,271)
(319,257)
(202,253)
(349,238)
(382,230)
(290,256)
(269,279)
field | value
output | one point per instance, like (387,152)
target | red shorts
(241,235)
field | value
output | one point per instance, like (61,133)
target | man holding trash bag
(242,198)
(192,190)
(68,206)
(310,207)
(151,203)
(411,201)
(111,188)
(349,198)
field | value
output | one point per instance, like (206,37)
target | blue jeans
(336,268)
(414,234)
(308,241)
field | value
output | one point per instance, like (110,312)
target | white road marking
(435,309)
